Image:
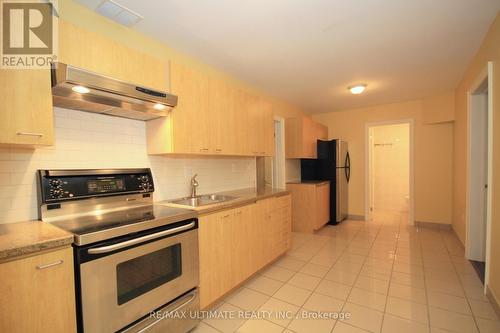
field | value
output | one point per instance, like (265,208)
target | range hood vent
(79,89)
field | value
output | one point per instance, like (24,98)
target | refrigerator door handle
(348,167)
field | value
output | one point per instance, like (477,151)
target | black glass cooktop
(94,223)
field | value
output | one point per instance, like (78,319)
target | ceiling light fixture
(357,89)
(159,107)
(81,89)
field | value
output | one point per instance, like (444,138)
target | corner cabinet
(212,117)
(38,293)
(236,243)
(301,135)
(26,116)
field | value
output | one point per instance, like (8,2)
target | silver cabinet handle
(30,134)
(193,296)
(59,262)
(109,248)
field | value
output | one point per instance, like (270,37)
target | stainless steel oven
(119,280)
(135,262)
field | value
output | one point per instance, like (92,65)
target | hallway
(389,276)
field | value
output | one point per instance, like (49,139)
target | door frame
(280,182)
(411,123)
(485,75)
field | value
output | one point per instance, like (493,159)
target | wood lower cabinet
(212,117)
(310,205)
(236,243)
(301,135)
(26,116)
(38,293)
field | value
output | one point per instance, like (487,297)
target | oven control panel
(59,185)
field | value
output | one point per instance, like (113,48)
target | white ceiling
(308,51)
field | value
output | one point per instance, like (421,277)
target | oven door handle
(117,246)
(167,314)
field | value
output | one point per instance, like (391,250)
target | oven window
(142,274)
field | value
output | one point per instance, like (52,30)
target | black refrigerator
(334,164)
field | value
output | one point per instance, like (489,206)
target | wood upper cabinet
(26,116)
(38,293)
(236,243)
(301,135)
(310,205)
(91,51)
(212,117)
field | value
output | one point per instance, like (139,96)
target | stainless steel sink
(203,200)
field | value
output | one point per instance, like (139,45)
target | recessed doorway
(389,173)
(479,171)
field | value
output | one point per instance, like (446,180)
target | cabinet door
(93,52)
(223,131)
(267,143)
(214,243)
(241,254)
(323,205)
(26,115)
(190,118)
(37,296)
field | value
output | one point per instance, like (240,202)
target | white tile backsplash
(86,140)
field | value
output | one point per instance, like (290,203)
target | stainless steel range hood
(79,89)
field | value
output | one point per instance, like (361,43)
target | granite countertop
(309,182)
(21,238)
(243,196)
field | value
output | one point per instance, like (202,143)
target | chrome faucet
(194,185)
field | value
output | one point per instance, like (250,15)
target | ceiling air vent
(118,13)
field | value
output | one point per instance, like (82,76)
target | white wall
(86,140)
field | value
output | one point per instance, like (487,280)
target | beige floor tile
(303,324)
(363,317)
(367,298)
(264,285)
(341,277)
(204,328)
(315,270)
(408,268)
(376,272)
(448,302)
(290,263)
(488,326)
(323,303)
(408,279)
(260,325)
(483,310)
(347,266)
(333,289)
(278,273)
(292,294)
(406,309)
(372,284)
(475,292)
(345,328)
(226,325)
(408,293)
(281,313)
(445,286)
(247,299)
(452,321)
(304,281)
(398,325)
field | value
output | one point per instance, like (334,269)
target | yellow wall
(433,156)
(81,16)
(489,51)
(440,108)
